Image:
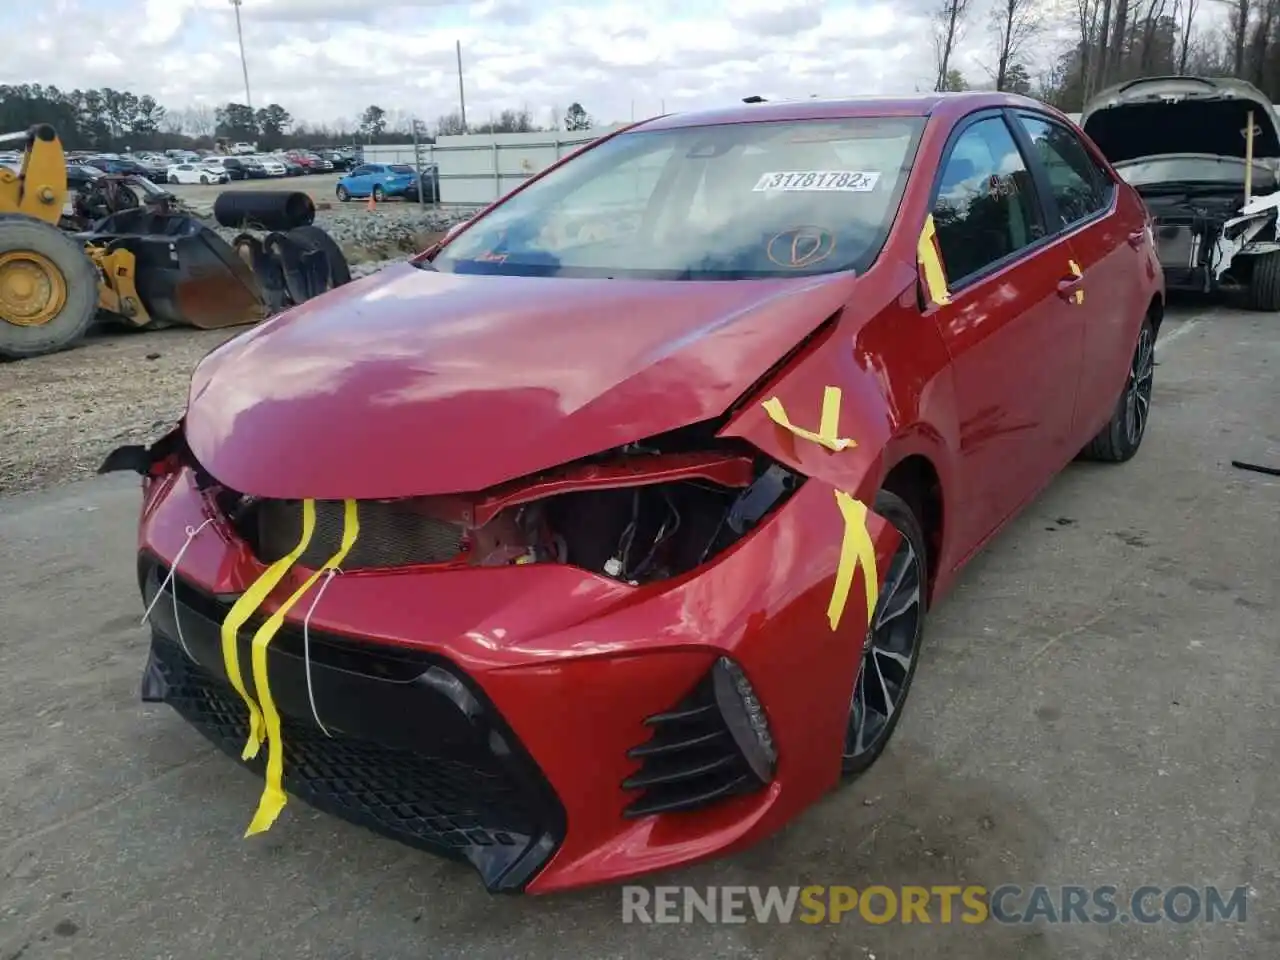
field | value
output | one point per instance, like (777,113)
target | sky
(326,60)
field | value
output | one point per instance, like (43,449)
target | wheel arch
(915,478)
(1155,310)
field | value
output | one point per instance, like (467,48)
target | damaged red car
(598,539)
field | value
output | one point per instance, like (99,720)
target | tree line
(1114,41)
(113,120)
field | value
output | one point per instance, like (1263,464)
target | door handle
(1070,287)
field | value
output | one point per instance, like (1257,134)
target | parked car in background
(254,169)
(110,164)
(291,167)
(231,166)
(272,166)
(157,163)
(378,180)
(195,173)
(1180,141)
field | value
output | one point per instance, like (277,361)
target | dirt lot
(1095,706)
(60,414)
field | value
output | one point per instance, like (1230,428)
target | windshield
(717,202)
(1153,171)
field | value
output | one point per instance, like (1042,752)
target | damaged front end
(646,511)
(1204,155)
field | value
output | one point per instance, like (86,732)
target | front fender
(897,400)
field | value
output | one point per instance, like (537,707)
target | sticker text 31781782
(852,181)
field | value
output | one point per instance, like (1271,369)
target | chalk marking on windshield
(817,181)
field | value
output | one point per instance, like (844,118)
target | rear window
(400,168)
(728,201)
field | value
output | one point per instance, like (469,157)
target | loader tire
(313,238)
(1264,284)
(48,289)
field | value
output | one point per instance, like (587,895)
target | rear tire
(1264,284)
(883,681)
(77,277)
(1120,439)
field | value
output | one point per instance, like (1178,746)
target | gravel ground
(61,414)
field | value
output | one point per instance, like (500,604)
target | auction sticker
(822,181)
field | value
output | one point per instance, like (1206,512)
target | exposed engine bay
(1204,154)
(643,512)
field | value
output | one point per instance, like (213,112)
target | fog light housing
(745,717)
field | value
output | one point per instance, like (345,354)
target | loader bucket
(185,273)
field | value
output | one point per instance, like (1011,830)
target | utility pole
(244,64)
(462,97)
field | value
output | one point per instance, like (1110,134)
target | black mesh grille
(391,534)
(464,807)
(691,760)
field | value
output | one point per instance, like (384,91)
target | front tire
(379,195)
(343,194)
(204,180)
(891,648)
(1264,283)
(1120,439)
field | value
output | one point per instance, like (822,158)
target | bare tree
(1186,11)
(947,31)
(1013,23)
(199,120)
(1240,15)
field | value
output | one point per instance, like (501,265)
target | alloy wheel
(1137,400)
(888,654)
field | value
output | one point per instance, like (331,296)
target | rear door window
(1080,187)
(985,208)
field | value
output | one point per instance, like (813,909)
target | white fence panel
(478,168)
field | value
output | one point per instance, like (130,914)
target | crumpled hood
(413,382)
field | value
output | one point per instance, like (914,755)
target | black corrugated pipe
(264,209)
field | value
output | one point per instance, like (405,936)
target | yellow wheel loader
(142,267)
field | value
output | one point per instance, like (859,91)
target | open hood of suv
(1165,115)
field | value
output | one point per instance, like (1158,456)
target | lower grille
(459,801)
(391,534)
(691,761)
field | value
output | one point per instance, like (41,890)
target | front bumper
(412,751)
(569,667)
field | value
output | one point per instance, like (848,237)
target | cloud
(326,60)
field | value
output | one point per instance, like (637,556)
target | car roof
(946,105)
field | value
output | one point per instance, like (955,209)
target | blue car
(378,180)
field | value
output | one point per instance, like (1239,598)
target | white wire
(192,532)
(306,647)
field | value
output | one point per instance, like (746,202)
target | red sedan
(599,538)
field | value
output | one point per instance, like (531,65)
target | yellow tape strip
(828,426)
(243,608)
(935,277)
(273,796)
(856,550)
(1078,296)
